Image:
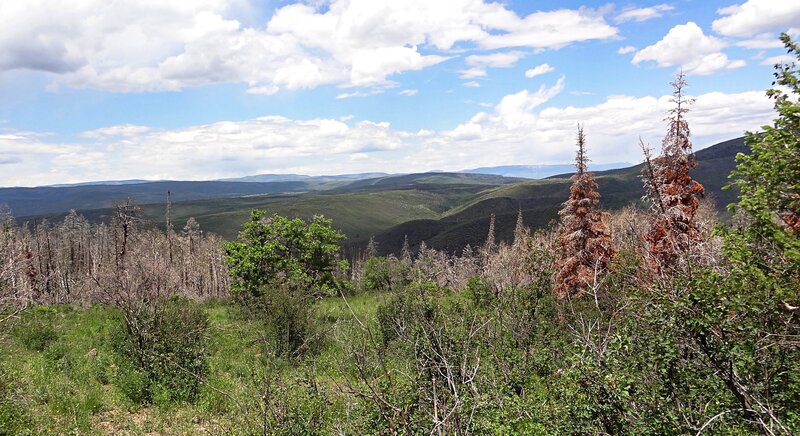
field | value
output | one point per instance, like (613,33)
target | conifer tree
(520,231)
(671,188)
(585,242)
(489,245)
(405,252)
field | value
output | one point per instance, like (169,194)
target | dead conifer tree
(489,245)
(671,190)
(585,242)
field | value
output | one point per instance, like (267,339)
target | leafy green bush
(277,250)
(480,291)
(279,267)
(383,274)
(164,350)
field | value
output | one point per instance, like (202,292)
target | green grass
(67,379)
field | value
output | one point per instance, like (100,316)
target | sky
(207,89)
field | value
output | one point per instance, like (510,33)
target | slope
(540,200)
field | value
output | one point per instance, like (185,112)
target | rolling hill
(540,201)
(447,210)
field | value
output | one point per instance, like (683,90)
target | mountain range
(446,210)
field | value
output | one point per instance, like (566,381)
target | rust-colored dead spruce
(585,241)
(670,189)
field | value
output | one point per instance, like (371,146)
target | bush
(163,349)
(279,267)
(383,274)
(480,291)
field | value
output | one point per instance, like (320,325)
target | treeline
(77,262)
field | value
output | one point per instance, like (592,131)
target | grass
(67,379)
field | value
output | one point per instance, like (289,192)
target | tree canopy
(275,250)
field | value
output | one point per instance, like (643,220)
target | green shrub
(163,348)
(480,291)
(383,274)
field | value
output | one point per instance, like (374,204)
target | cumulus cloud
(517,131)
(757,16)
(539,70)
(521,128)
(472,84)
(780,59)
(686,45)
(642,14)
(479,63)
(126,46)
(626,50)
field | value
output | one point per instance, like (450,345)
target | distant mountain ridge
(540,200)
(265,178)
(540,171)
(103,182)
(446,210)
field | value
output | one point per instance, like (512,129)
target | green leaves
(276,250)
(769,179)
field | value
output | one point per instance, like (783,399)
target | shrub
(480,291)
(383,274)
(164,347)
(279,267)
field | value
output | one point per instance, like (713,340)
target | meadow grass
(60,372)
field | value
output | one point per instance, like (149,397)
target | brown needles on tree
(585,242)
(671,190)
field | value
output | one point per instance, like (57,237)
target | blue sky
(207,89)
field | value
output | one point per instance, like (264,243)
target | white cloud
(520,128)
(479,63)
(762,41)
(517,131)
(365,92)
(686,45)
(409,92)
(496,60)
(550,29)
(472,84)
(780,59)
(642,14)
(126,46)
(539,70)
(472,73)
(120,131)
(626,50)
(757,16)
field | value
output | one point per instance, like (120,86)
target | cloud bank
(520,128)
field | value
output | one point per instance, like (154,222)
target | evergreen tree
(585,241)
(489,244)
(671,187)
